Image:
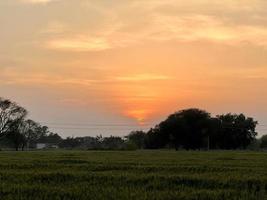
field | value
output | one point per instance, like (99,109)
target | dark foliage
(156,139)
(196,129)
(18,132)
(137,138)
(11,114)
(236,131)
(263,142)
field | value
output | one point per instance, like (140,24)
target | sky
(90,67)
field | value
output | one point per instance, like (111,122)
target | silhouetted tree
(89,142)
(10,116)
(236,131)
(112,143)
(263,142)
(49,137)
(213,133)
(16,138)
(70,143)
(43,131)
(29,130)
(156,139)
(137,138)
(196,129)
(187,128)
(24,133)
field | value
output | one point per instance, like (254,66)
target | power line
(91,128)
(106,124)
(97,125)
(122,126)
(129,128)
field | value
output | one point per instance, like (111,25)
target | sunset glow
(131,61)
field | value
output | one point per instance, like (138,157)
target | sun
(140,115)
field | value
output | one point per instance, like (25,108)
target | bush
(131,146)
(254,145)
(263,144)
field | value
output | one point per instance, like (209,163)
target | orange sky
(111,62)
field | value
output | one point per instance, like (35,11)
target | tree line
(186,129)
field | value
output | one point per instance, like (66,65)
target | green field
(133,175)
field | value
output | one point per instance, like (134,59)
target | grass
(161,175)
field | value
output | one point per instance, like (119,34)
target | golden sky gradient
(133,61)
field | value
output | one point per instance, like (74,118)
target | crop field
(138,175)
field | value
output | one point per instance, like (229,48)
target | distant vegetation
(186,129)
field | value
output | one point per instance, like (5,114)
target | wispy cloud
(142,77)
(182,28)
(204,27)
(36,1)
(17,77)
(79,43)
(13,77)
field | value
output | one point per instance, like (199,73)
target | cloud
(142,77)
(36,1)
(80,43)
(182,28)
(14,77)
(92,26)
(204,27)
